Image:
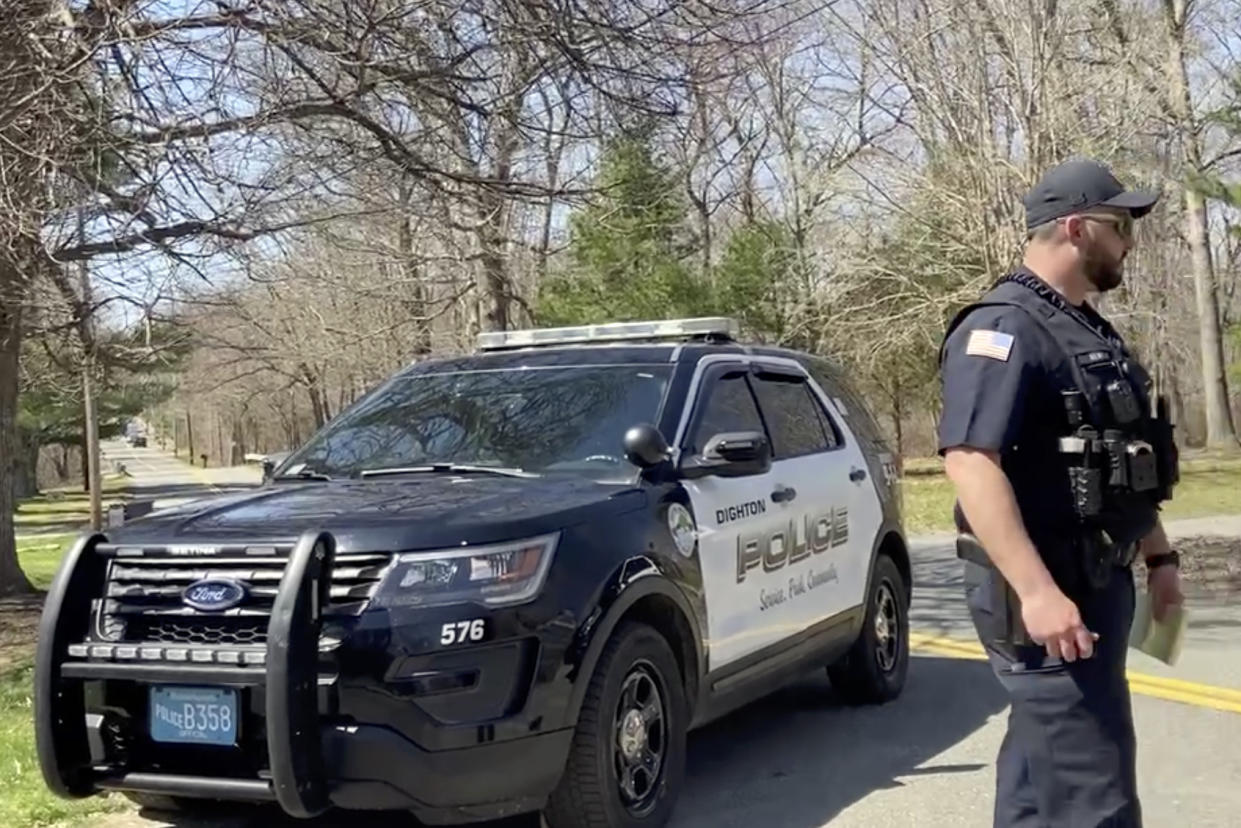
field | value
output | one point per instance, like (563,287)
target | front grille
(206,630)
(142,600)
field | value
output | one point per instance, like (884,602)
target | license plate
(194,715)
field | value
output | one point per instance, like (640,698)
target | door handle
(782,494)
(857,475)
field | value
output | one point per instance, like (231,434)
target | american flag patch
(993,344)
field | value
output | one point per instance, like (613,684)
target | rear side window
(796,420)
(727,405)
(856,411)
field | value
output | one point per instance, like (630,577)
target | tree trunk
(94,474)
(1219,424)
(417,302)
(62,464)
(12,579)
(495,210)
(84,459)
(189,436)
(1221,431)
(318,404)
(238,453)
(26,467)
(86,333)
(496,276)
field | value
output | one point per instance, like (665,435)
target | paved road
(799,759)
(1212,649)
(158,475)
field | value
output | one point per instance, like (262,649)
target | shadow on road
(794,760)
(800,757)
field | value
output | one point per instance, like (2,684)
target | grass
(65,508)
(26,801)
(928,503)
(39,557)
(1210,485)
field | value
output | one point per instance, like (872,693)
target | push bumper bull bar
(290,677)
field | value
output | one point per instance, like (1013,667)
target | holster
(1167,457)
(1012,630)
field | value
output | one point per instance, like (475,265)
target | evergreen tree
(137,371)
(757,281)
(628,250)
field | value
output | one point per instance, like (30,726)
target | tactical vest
(1116,447)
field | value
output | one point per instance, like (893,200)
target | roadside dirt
(19,629)
(1209,565)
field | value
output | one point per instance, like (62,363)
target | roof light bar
(710,326)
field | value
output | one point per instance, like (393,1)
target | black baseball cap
(1079,184)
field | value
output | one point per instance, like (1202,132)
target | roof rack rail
(708,328)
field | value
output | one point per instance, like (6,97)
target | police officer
(1060,455)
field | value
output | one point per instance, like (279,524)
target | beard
(1103,272)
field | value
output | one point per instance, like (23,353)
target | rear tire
(627,760)
(873,670)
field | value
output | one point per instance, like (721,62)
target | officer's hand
(1053,620)
(1164,585)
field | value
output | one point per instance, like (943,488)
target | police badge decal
(684,533)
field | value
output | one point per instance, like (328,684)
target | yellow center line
(1187,692)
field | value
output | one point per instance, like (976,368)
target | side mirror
(271,462)
(645,446)
(731,454)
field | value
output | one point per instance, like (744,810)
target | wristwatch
(1172,557)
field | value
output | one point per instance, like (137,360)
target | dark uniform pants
(1068,758)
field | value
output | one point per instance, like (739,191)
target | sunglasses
(1123,224)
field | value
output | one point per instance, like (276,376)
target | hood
(390,514)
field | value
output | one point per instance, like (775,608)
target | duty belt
(1098,558)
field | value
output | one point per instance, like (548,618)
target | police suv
(503,582)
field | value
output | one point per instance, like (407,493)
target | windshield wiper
(446,468)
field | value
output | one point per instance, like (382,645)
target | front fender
(889,528)
(636,579)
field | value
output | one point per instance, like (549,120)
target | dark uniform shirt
(1001,381)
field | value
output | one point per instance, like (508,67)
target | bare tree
(1189,137)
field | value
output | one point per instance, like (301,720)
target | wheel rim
(641,739)
(887,628)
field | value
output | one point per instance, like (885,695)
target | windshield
(541,420)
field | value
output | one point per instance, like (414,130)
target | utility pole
(88,391)
(92,440)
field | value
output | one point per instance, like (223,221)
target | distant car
(502,582)
(138,441)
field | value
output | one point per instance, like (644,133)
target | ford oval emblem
(214,594)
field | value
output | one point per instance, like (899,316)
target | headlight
(497,575)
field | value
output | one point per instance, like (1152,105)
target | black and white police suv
(502,582)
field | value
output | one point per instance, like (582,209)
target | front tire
(874,669)
(627,760)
